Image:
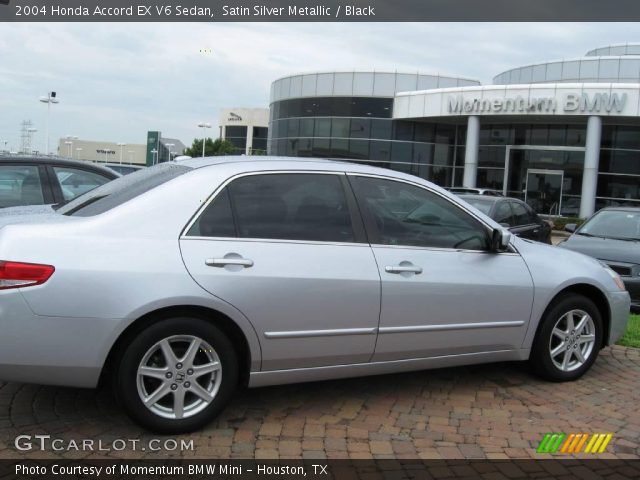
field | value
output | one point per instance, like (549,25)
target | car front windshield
(620,224)
(121,190)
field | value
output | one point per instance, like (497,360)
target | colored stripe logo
(574,443)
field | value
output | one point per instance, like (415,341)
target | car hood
(604,248)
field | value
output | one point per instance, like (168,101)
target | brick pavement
(488,411)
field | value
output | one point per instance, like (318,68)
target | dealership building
(563,135)
(245,128)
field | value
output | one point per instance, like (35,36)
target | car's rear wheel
(568,339)
(176,375)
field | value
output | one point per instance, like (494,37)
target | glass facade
(260,135)
(237,135)
(615,63)
(436,151)
(361,129)
(537,158)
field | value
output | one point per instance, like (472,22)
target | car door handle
(223,262)
(403,269)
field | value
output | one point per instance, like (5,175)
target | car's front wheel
(568,339)
(177,374)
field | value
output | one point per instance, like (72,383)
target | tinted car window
(121,190)
(404,214)
(291,207)
(481,204)
(503,214)
(74,182)
(521,214)
(216,220)
(20,185)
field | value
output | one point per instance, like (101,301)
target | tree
(211,148)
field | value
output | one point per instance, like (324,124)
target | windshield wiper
(589,235)
(625,239)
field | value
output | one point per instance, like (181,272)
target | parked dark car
(123,168)
(513,214)
(612,235)
(475,191)
(39,180)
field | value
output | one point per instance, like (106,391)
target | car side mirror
(500,240)
(570,227)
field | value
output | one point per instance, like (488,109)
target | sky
(117,81)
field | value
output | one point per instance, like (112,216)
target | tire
(204,377)
(560,353)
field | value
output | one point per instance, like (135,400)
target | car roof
(113,164)
(54,160)
(486,198)
(257,163)
(200,162)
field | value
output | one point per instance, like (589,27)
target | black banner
(320,469)
(319,10)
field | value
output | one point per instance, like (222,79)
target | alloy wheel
(179,376)
(572,340)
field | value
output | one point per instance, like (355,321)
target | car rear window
(483,205)
(121,190)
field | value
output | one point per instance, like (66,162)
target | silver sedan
(180,282)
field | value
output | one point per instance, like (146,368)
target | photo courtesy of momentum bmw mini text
(362,239)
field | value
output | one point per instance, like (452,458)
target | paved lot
(491,411)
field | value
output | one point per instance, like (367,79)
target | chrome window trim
(276,240)
(441,249)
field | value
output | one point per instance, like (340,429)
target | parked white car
(183,280)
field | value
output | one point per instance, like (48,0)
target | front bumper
(633,287)
(619,303)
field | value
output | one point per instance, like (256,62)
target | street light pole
(49,99)
(121,145)
(79,149)
(154,152)
(204,126)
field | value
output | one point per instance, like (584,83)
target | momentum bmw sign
(572,102)
(550,99)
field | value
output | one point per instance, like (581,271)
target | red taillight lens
(18,275)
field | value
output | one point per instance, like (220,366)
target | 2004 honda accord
(182,281)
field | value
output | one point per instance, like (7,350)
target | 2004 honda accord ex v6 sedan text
(182,281)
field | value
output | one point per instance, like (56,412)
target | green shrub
(560,222)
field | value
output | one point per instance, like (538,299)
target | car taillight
(19,275)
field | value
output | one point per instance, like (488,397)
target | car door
(289,251)
(524,222)
(443,292)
